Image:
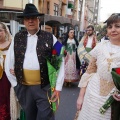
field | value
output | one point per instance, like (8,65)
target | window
(55,9)
(95,14)
(79,14)
(48,8)
(30,1)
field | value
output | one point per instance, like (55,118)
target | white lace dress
(99,84)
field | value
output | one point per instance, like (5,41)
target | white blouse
(89,43)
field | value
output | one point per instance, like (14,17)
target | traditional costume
(28,55)
(99,82)
(4,88)
(85,46)
(72,65)
(31,68)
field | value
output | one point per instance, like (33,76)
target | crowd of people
(24,72)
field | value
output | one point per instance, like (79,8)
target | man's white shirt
(89,43)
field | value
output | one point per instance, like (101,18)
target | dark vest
(43,48)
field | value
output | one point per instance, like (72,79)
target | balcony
(57,20)
(1,3)
(64,2)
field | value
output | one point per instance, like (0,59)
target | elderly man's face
(32,24)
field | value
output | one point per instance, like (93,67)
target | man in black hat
(30,74)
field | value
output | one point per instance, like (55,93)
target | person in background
(27,70)
(59,39)
(81,35)
(89,40)
(87,43)
(97,82)
(5,40)
(104,38)
(72,63)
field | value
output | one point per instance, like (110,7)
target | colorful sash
(82,53)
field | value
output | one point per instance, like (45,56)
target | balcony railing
(64,2)
(1,2)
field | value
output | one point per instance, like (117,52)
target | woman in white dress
(97,83)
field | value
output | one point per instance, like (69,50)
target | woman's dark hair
(114,18)
(67,36)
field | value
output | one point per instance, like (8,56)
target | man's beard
(90,34)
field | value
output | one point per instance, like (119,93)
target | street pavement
(67,107)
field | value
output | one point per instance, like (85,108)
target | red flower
(3,112)
(65,52)
(54,52)
(118,71)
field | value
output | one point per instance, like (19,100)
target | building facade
(55,19)
(92,10)
(58,16)
(9,10)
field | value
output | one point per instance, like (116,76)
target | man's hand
(116,97)
(55,96)
(12,72)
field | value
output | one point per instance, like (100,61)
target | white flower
(46,45)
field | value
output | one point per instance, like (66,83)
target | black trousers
(34,102)
(115,112)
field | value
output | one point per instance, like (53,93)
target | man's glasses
(89,30)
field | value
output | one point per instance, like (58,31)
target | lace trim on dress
(89,73)
(105,87)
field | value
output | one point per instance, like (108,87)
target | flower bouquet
(22,115)
(116,79)
(53,67)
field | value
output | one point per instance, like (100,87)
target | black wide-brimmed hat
(30,10)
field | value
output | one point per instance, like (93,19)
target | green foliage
(98,28)
(102,32)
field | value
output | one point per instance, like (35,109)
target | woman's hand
(79,102)
(116,97)
(12,72)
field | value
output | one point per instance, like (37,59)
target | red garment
(86,40)
(4,98)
